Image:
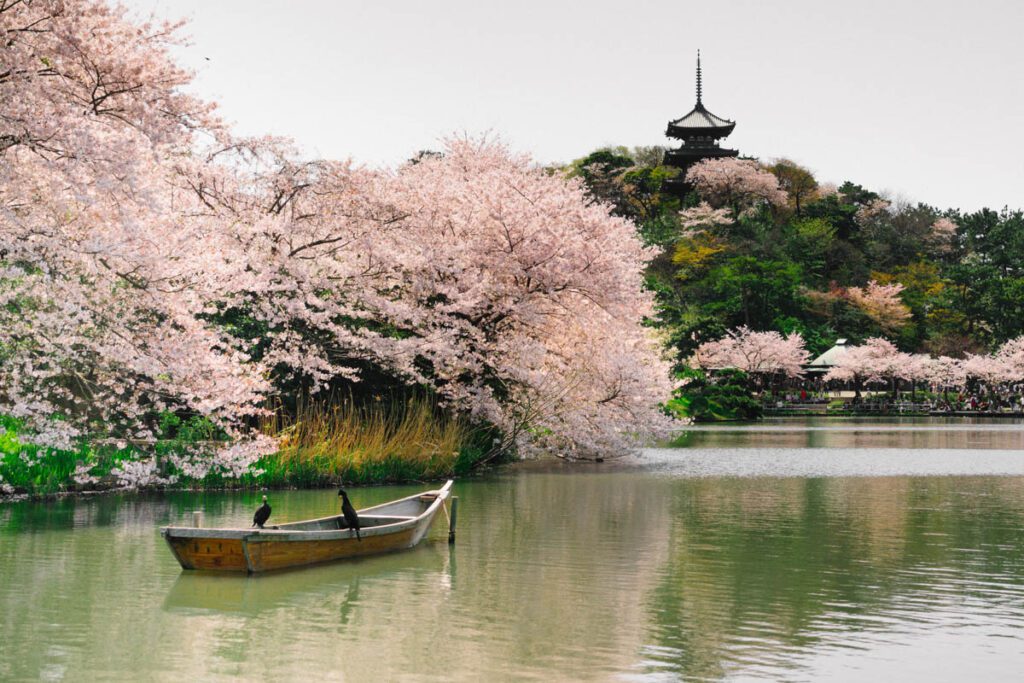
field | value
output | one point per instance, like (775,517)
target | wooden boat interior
(395,512)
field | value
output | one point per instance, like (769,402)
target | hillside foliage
(768,246)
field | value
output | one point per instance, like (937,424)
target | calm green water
(744,562)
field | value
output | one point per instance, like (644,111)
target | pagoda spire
(698,78)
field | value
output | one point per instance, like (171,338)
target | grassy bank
(322,444)
(28,468)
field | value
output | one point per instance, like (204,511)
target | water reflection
(636,574)
(764,573)
(212,592)
(914,433)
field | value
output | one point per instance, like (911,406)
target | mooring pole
(197,518)
(451,520)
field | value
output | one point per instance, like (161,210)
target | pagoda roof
(700,117)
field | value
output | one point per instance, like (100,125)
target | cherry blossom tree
(947,373)
(876,361)
(1005,365)
(882,304)
(987,368)
(103,261)
(473,272)
(738,184)
(756,353)
(873,210)
(702,219)
(943,233)
(913,367)
(1011,356)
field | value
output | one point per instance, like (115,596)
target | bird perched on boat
(349,513)
(262,514)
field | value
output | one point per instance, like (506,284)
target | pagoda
(700,131)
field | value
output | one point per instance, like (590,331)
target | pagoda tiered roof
(700,122)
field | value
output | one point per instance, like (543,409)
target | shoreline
(53,496)
(849,422)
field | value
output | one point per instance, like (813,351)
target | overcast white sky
(921,99)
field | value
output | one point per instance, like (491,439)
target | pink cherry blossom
(763,353)
(738,184)
(1005,365)
(873,210)
(877,360)
(944,233)
(947,373)
(882,304)
(1011,356)
(703,218)
(518,299)
(985,367)
(827,190)
(139,473)
(105,258)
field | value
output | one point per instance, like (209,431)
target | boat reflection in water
(203,592)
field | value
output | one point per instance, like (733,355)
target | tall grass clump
(370,442)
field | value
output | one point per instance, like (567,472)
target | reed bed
(375,442)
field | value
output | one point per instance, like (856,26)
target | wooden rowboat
(384,528)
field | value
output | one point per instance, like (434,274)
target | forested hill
(769,246)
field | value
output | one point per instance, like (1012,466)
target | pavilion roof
(828,359)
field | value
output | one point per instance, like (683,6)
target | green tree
(797,181)
(749,291)
(809,242)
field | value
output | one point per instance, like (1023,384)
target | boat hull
(208,553)
(390,527)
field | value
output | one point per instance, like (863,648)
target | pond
(802,551)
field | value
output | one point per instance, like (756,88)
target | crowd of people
(981,398)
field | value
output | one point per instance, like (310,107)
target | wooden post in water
(197,519)
(451,520)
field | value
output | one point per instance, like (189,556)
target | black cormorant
(262,514)
(349,512)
